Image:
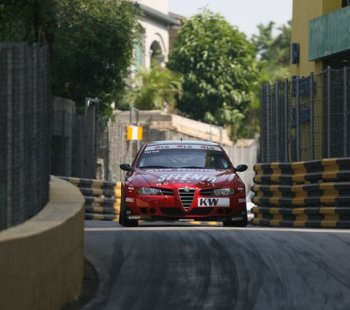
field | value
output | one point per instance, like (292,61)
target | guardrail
(102,198)
(303,194)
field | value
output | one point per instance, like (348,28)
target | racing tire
(240,223)
(123,219)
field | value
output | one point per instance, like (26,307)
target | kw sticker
(213,202)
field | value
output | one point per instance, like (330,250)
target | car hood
(195,177)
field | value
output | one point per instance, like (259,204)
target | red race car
(174,180)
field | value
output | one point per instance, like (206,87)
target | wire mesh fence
(25,112)
(62,136)
(306,118)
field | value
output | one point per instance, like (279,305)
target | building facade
(308,117)
(156,24)
(320,36)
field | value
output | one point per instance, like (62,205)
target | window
(345,3)
(157,58)
(139,49)
(200,159)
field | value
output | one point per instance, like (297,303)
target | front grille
(186,196)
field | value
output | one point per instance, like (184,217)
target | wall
(303,12)
(245,151)
(158,33)
(41,260)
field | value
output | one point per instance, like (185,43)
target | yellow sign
(134,133)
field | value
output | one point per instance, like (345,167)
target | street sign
(134,133)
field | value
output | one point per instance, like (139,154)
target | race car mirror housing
(241,168)
(125,167)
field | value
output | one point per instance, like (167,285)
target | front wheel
(238,223)
(123,218)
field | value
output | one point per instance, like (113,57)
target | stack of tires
(102,198)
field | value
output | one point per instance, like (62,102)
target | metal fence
(85,144)
(25,112)
(306,118)
(78,141)
(62,136)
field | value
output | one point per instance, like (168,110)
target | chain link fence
(25,112)
(306,118)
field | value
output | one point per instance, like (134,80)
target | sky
(245,14)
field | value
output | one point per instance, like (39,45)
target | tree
(93,48)
(219,71)
(273,51)
(91,42)
(27,20)
(156,88)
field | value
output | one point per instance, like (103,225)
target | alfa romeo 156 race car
(176,180)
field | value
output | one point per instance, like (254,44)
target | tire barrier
(102,198)
(303,194)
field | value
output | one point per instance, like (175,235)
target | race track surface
(173,267)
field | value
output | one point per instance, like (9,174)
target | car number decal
(213,202)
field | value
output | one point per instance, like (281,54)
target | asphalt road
(211,267)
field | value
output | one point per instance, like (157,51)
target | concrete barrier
(41,260)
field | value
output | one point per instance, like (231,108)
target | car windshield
(194,157)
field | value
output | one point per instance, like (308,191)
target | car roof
(195,142)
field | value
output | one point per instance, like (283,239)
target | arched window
(157,57)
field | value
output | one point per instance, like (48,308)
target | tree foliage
(219,71)
(156,88)
(91,42)
(93,48)
(27,20)
(273,50)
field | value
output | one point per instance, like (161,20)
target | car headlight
(149,191)
(223,191)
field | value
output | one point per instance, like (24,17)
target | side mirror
(241,168)
(125,167)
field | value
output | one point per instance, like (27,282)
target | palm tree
(156,88)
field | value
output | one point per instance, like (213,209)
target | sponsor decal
(181,146)
(134,217)
(213,202)
(241,200)
(127,199)
(237,218)
(186,177)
